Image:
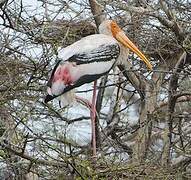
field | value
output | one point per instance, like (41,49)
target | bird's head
(110,27)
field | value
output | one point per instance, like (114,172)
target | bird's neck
(123,56)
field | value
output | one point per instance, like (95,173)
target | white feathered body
(85,60)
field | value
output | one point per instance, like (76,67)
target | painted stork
(87,60)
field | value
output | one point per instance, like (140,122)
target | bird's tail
(67,98)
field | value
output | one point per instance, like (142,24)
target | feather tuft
(67,99)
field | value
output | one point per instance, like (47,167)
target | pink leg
(92,107)
(93,117)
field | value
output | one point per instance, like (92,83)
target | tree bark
(172,98)
(97,11)
(99,16)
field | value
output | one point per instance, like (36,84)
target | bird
(88,59)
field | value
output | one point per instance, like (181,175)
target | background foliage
(143,121)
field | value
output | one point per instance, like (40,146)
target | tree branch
(98,12)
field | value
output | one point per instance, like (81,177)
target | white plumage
(86,45)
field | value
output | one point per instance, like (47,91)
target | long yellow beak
(123,39)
